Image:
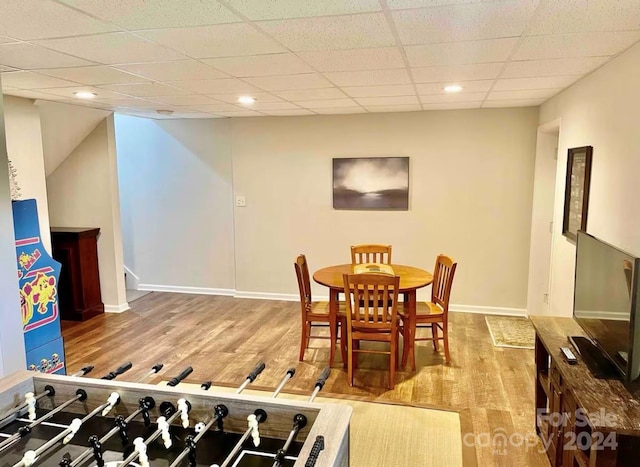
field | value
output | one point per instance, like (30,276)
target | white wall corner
(132,281)
(185,289)
(116,308)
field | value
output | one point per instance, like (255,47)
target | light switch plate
(241,201)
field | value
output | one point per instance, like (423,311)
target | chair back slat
(371,254)
(304,283)
(365,309)
(442,280)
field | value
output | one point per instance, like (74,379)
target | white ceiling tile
(261,9)
(327,103)
(467,86)
(239,113)
(177,70)
(458,97)
(399,100)
(288,113)
(130,102)
(288,82)
(215,86)
(30,94)
(522,94)
(260,65)
(543,82)
(260,106)
(586,15)
(31,80)
(575,45)
(340,110)
(112,48)
(30,57)
(5,39)
(452,106)
(68,92)
(141,14)
(232,98)
(220,107)
(438,74)
(552,67)
(380,91)
(335,32)
(377,58)
(394,108)
(311,94)
(146,90)
(223,40)
(39,19)
(461,53)
(4,68)
(177,115)
(93,75)
(403,4)
(471,21)
(194,99)
(513,103)
(369,78)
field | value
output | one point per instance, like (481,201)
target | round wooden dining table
(411,279)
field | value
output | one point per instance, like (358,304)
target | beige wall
(601,110)
(471,185)
(83,192)
(24,146)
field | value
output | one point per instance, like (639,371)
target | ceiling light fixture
(85,94)
(453,88)
(246,100)
(164,111)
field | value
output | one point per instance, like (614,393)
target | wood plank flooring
(222,338)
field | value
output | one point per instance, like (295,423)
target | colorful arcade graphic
(38,275)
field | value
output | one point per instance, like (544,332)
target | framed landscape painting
(371,183)
(576,195)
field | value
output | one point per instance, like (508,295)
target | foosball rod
(85,370)
(191,443)
(81,395)
(30,457)
(153,371)
(251,377)
(118,371)
(12,414)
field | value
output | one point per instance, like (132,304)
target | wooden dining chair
(371,320)
(433,314)
(313,313)
(371,254)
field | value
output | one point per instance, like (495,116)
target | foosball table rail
(330,421)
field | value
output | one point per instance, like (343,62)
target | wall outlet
(241,201)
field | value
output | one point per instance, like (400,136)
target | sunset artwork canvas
(371,183)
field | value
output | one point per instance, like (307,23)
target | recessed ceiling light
(246,100)
(164,111)
(453,88)
(85,94)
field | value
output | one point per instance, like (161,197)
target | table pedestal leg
(409,334)
(333,323)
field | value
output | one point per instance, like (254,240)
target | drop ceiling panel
(522,94)
(288,113)
(239,113)
(327,33)
(545,82)
(30,94)
(223,40)
(575,45)
(470,21)
(232,98)
(260,65)
(478,71)
(448,98)
(31,80)
(146,90)
(467,86)
(139,14)
(586,15)
(552,67)
(514,103)
(68,92)
(393,108)
(452,106)
(93,75)
(404,4)
(39,19)
(260,106)
(311,94)
(7,68)
(195,99)
(214,86)
(131,102)
(173,71)
(380,91)
(112,48)
(287,82)
(5,39)
(369,78)
(219,107)
(30,57)
(261,9)
(376,58)
(339,110)
(461,53)
(327,103)
(400,100)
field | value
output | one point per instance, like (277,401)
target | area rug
(392,435)
(511,331)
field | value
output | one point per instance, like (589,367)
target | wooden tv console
(582,421)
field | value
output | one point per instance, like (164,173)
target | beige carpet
(393,435)
(511,331)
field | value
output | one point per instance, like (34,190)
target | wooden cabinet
(582,421)
(79,286)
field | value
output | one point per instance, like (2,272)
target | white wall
(83,192)
(24,146)
(601,110)
(12,354)
(176,203)
(471,186)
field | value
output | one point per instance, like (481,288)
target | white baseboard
(185,289)
(289,297)
(488,310)
(116,308)
(133,281)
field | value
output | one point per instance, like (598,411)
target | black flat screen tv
(606,304)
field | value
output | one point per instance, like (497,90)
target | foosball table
(69,421)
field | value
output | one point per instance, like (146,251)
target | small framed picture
(576,192)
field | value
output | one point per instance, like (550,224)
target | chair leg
(350,363)
(405,343)
(356,346)
(445,334)
(434,334)
(303,339)
(393,355)
(333,335)
(343,341)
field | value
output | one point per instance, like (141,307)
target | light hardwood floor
(223,337)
